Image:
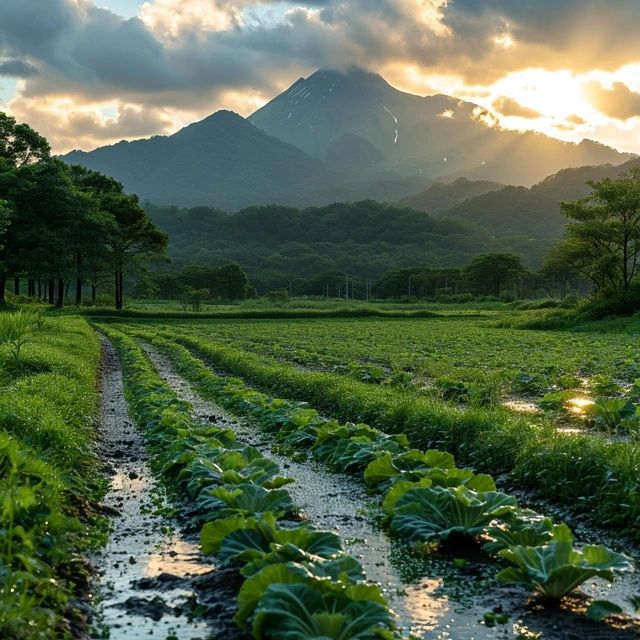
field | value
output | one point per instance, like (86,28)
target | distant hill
(570,184)
(441,196)
(224,161)
(512,211)
(528,213)
(431,136)
(275,244)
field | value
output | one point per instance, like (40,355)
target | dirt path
(151,574)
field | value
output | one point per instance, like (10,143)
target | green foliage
(48,480)
(298,612)
(603,237)
(556,568)
(612,413)
(236,493)
(16,329)
(423,514)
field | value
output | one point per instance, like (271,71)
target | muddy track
(151,574)
(426,606)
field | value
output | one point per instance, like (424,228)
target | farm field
(336,477)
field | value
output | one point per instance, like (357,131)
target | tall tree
(603,237)
(20,145)
(492,272)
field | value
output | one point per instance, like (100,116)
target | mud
(152,580)
(434,598)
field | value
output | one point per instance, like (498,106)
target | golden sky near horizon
(88,73)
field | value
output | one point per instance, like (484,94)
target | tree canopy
(602,240)
(61,223)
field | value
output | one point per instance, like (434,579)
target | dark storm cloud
(83,46)
(17,69)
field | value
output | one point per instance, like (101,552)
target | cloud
(510,107)
(618,101)
(17,69)
(181,59)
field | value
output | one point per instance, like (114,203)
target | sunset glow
(162,64)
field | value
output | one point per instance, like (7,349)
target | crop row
(590,474)
(297,581)
(424,496)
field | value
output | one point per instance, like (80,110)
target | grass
(48,400)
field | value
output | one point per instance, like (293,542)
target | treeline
(63,226)
(195,284)
(496,275)
(276,245)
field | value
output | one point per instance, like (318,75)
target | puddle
(432,598)
(148,569)
(522,406)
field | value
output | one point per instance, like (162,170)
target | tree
(20,145)
(492,272)
(603,240)
(4,221)
(130,233)
(558,269)
(230,283)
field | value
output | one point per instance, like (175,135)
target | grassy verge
(586,473)
(48,483)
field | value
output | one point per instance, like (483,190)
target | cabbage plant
(556,568)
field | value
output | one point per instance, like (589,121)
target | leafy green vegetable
(298,612)
(600,609)
(555,569)
(438,512)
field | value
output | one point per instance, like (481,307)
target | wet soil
(152,580)
(432,596)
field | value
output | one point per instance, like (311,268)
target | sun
(553,94)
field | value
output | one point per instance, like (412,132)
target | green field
(455,424)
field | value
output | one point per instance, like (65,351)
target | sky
(88,73)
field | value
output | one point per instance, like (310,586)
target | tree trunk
(16,285)
(51,291)
(60,300)
(93,292)
(78,279)
(39,289)
(120,290)
(31,287)
(117,283)
(3,284)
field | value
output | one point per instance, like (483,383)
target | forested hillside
(274,244)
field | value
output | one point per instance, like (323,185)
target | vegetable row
(425,497)
(297,581)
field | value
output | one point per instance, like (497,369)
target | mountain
(518,212)
(430,136)
(441,196)
(223,161)
(571,184)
